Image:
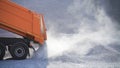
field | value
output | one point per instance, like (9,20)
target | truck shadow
(39,60)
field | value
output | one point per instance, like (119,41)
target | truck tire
(19,51)
(2,51)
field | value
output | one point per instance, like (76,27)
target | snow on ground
(106,59)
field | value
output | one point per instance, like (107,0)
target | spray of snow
(95,28)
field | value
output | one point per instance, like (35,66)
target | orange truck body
(24,22)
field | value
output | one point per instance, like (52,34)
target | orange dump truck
(21,21)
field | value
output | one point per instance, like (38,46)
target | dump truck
(24,22)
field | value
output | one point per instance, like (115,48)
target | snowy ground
(106,59)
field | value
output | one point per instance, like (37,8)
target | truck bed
(22,21)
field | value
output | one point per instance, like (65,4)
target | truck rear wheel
(2,51)
(19,51)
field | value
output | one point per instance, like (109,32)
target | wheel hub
(19,52)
